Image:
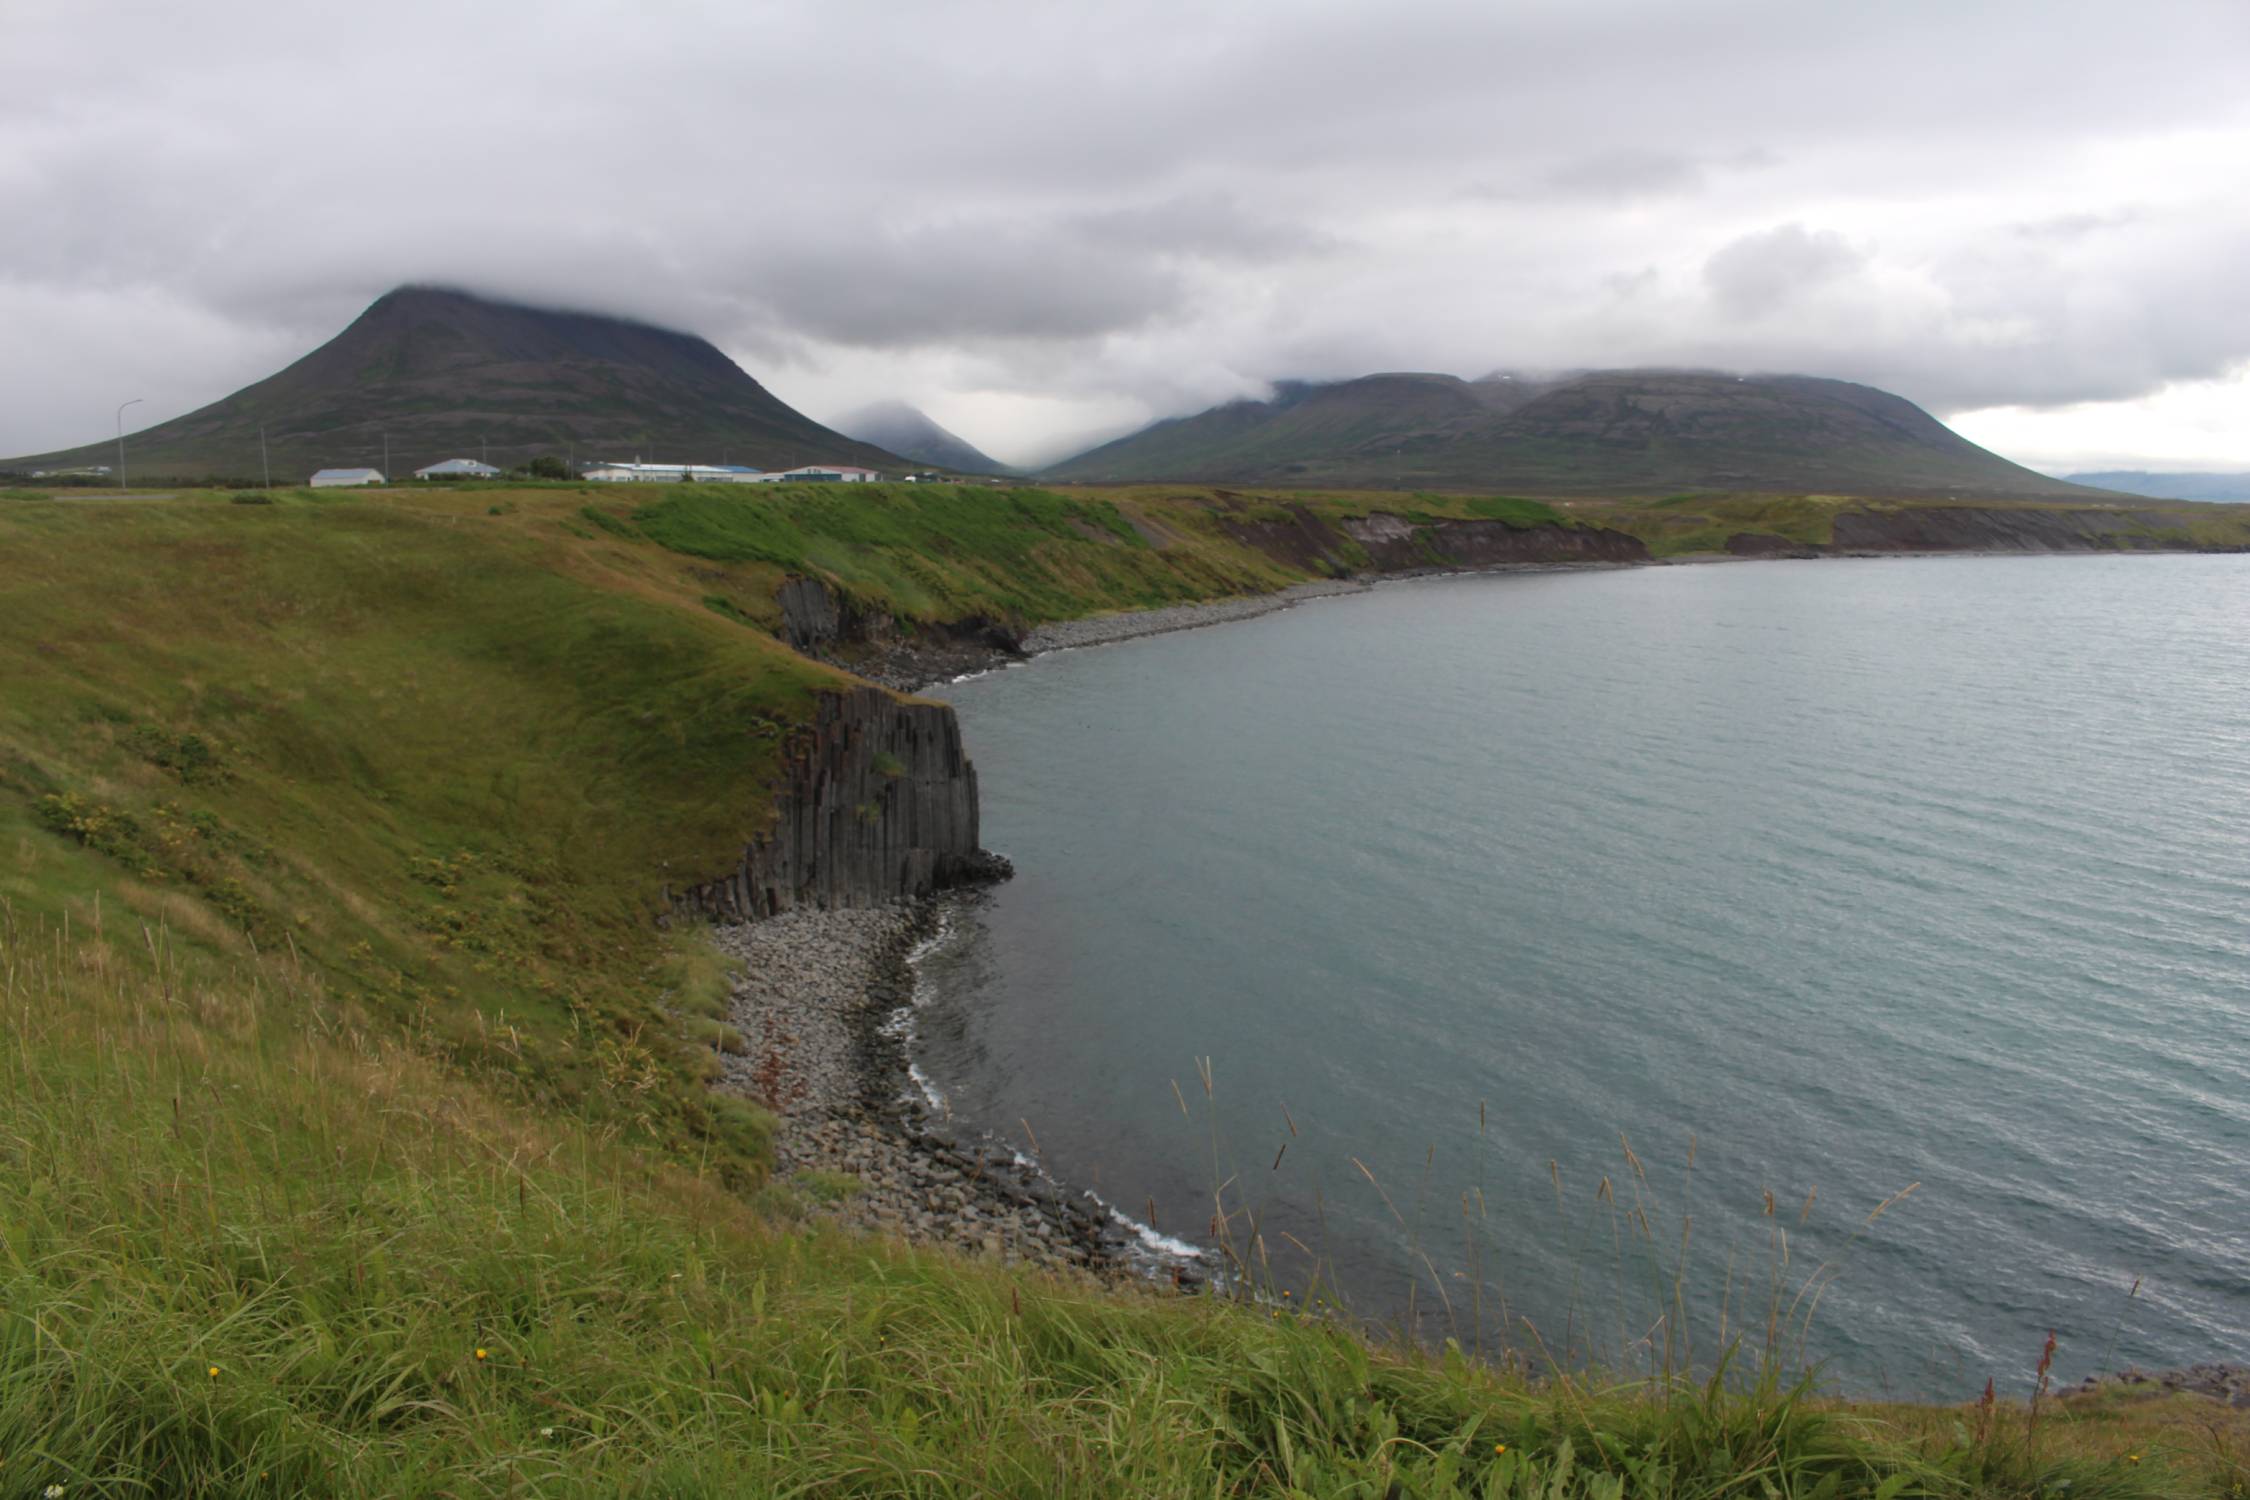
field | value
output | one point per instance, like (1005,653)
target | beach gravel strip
(811,1003)
(908,664)
(1101,630)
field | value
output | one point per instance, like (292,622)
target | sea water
(1578,961)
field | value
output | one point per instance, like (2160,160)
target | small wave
(1154,1252)
(1154,1240)
(932,1095)
(1167,1249)
(900,1025)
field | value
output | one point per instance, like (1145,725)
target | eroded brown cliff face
(1395,544)
(877,802)
(1386,543)
(1974,528)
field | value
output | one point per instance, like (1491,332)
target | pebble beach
(816,1002)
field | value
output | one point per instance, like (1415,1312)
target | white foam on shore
(900,1024)
(1167,1249)
(1158,1251)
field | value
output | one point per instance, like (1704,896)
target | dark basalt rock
(878,803)
(813,616)
(830,626)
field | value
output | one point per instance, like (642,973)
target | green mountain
(1623,432)
(909,432)
(444,374)
(2223,488)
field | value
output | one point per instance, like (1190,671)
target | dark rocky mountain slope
(1626,432)
(910,433)
(445,374)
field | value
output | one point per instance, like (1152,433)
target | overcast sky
(1042,221)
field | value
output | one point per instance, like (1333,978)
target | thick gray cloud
(1042,220)
(1767,272)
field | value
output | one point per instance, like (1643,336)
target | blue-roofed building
(330,479)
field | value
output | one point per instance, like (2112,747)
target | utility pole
(484,446)
(121,440)
(264,462)
(386,458)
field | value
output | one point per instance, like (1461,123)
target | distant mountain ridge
(2223,488)
(912,433)
(444,374)
(1601,432)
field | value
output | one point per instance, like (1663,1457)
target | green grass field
(353,1136)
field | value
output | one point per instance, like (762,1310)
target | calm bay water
(1853,874)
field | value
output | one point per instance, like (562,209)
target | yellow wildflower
(481,1354)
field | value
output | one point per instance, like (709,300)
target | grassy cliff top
(351,1138)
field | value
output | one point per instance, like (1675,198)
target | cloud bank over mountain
(1038,221)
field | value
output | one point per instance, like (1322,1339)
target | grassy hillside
(445,758)
(936,552)
(250,1248)
(350,1139)
(1697,524)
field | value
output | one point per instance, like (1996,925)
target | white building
(328,479)
(728,474)
(624,473)
(458,468)
(824,473)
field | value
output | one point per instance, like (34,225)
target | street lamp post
(121,440)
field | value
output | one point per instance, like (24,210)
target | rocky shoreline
(2227,1384)
(816,1003)
(908,664)
(1101,630)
